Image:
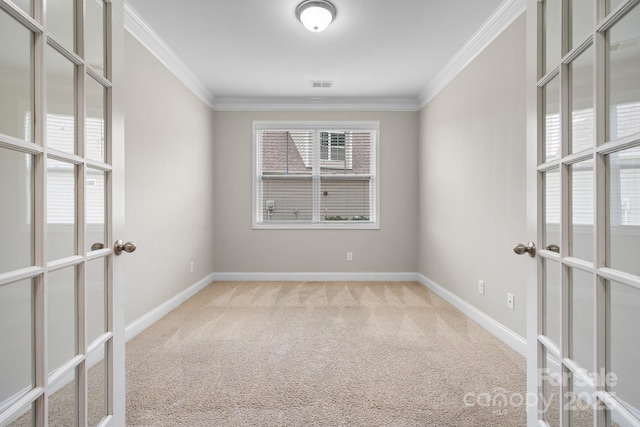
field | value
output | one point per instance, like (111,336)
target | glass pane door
(56,284)
(588,169)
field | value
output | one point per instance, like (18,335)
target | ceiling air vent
(321,84)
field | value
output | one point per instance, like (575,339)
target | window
(315,175)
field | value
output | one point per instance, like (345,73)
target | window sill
(328,225)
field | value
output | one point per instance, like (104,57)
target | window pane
(16,79)
(95,196)
(624,76)
(94,133)
(60,22)
(624,312)
(582,205)
(15,336)
(345,199)
(285,152)
(287,199)
(552,45)
(583,310)
(582,132)
(624,210)
(61,209)
(61,317)
(552,301)
(16,210)
(95,295)
(552,120)
(581,21)
(94,35)
(552,207)
(61,102)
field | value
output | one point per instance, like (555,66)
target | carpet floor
(321,354)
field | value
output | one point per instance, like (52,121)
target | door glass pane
(62,402)
(552,120)
(552,207)
(97,387)
(580,403)
(581,21)
(15,336)
(16,79)
(95,294)
(61,209)
(582,210)
(26,5)
(552,301)
(582,322)
(582,131)
(61,102)
(552,389)
(16,210)
(552,45)
(612,4)
(94,35)
(61,317)
(624,210)
(624,76)
(24,420)
(95,196)
(624,312)
(61,22)
(95,133)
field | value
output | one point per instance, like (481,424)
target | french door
(61,192)
(584,336)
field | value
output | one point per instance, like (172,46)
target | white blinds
(315,176)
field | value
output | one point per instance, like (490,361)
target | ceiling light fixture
(316,15)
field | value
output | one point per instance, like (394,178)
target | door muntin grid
(55,156)
(590,211)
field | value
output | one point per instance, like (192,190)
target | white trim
(142,323)
(506,13)
(316,104)
(503,333)
(142,31)
(314,277)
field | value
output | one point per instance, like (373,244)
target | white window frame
(316,223)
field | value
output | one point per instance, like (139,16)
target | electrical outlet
(349,256)
(510,301)
(192,266)
(481,286)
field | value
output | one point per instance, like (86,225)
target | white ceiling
(258,49)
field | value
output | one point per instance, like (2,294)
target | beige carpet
(320,354)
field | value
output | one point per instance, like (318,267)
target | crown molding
(143,32)
(506,13)
(316,104)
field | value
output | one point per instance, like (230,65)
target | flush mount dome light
(316,15)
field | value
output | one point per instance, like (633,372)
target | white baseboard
(142,323)
(503,333)
(314,277)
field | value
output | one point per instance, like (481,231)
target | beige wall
(239,249)
(169,183)
(472,181)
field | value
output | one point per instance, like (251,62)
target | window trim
(373,126)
